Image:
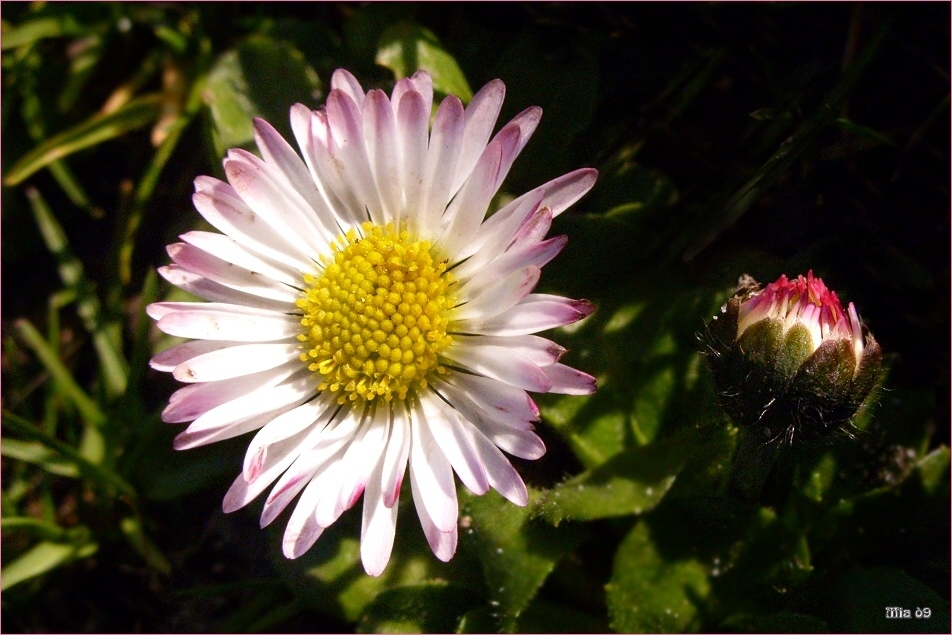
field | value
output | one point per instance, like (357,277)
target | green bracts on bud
(788,361)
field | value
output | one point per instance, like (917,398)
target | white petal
(502,476)
(279,458)
(222,206)
(560,193)
(496,395)
(535,256)
(432,474)
(383,150)
(168,359)
(309,465)
(230,275)
(378,525)
(344,124)
(412,125)
(421,83)
(262,401)
(279,206)
(200,286)
(536,349)
(229,250)
(194,400)
(498,297)
(493,237)
(448,431)
(469,207)
(367,449)
(302,530)
(215,321)
(395,461)
(329,165)
(500,363)
(312,415)
(235,361)
(279,154)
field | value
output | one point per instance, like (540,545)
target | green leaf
(44,557)
(651,593)
(134,114)
(517,552)
(260,78)
(407,47)
(631,482)
(934,469)
(594,425)
(435,606)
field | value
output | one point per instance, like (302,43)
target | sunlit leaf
(435,606)
(260,78)
(517,552)
(631,482)
(652,593)
(407,47)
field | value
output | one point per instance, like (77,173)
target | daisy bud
(788,361)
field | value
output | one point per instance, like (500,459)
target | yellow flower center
(375,320)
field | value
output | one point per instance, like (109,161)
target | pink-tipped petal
(442,543)
(441,159)
(344,81)
(537,312)
(432,474)
(569,381)
(481,115)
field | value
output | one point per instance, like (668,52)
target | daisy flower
(365,316)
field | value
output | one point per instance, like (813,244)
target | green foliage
(730,139)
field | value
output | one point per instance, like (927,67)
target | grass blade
(97,473)
(44,557)
(37,454)
(134,114)
(106,338)
(88,408)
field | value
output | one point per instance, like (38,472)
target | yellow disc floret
(375,320)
